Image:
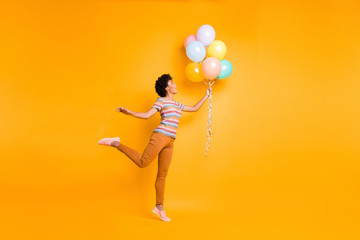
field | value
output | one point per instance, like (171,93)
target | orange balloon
(193,72)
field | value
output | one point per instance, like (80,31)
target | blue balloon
(226,69)
(195,50)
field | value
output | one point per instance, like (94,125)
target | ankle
(160,207)
(115,144)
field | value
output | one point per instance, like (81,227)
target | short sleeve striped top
(170,111)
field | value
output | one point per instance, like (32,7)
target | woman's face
(172,88)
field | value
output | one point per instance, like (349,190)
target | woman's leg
(165,157)
(156,143)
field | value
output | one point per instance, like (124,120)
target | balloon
(193,72)
(211,68)
(217,49)
(189,39)
(205,34)
(226,69)
(195,50)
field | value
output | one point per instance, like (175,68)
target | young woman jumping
(162,139)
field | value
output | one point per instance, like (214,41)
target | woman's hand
(208,91)
(123,110)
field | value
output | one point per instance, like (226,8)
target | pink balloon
(189,39)
(211,68)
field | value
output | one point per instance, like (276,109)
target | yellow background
(284,155)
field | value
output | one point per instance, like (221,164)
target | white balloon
(205,34)
(196,51)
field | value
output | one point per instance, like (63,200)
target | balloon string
(209,127)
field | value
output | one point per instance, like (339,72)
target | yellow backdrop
(284,155)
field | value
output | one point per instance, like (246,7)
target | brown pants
(158,144)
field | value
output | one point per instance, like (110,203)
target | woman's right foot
(108,141)
(161,214)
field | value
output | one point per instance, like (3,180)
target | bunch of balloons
(207,55)
(208,63)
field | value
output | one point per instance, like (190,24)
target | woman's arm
(197,106)
(142,115)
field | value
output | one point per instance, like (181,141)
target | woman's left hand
(208,91)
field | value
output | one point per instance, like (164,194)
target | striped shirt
(170,111)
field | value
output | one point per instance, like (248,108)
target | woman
(162,138)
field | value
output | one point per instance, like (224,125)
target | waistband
(163,135)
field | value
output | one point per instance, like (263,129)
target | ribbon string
(209,127)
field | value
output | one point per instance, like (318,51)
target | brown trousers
(158,144)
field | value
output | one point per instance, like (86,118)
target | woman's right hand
(123,110)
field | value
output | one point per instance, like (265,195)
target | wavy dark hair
(161,83)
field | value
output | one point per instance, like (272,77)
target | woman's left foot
(108,141)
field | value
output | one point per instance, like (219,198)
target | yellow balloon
(193,72)
(217,49)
